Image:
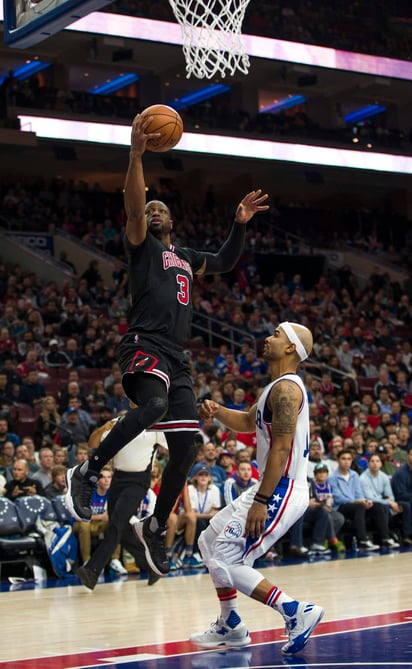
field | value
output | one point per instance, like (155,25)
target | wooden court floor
(65,627)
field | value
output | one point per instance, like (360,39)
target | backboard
(27,22)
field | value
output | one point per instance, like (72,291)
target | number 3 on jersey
(183,292)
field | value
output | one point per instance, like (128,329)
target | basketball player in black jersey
(156,373)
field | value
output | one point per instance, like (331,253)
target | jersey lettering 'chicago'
(161,288)
(297,464)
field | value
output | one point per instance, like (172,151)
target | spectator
(54,358)
(208,456)
(239,481)
(118,401)
(402,488)
(321,492)
(204,497)
(350,501)
(32,391)
(99,519)
(47,423)
(57,486)
(182,519)
(73,430)
(376,487)
(226,460)
(46,461)
(6,455)
(6,435)
(21,485)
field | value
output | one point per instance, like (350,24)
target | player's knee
(152,410)
(220,573)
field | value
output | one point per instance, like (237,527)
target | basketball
(168,122)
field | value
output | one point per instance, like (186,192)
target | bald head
(300,336)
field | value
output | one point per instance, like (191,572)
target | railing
(209,329)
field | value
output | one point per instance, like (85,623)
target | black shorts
(141,355)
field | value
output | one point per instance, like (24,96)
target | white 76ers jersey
(297,464)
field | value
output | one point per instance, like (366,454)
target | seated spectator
(208,456)
(21,485)
(182,519)
(99,519)
(59,456)
(6,455)
(321,493)
(73,391)
(53,358)
(84,415)
(81,454)
(376,487)
(73,430)
(47,423)
(22,453)
(404,438)
(118,401)
(226,460)
(335,447)
(156,476)
(98,395)
(350,501)
(374,415)
(46,461)
(237,482)
(32,391)
(204,497)
(244,455)
(315,456)
(57,486)
(401,483)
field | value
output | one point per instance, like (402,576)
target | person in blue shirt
(350,500)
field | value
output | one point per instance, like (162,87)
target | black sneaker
(153,543)
(80,492)
(153,577)
(88,577)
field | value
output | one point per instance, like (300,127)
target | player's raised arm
(135,187)
(228,255)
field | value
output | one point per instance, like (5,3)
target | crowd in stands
(59,379)
(220,114)
(362,26)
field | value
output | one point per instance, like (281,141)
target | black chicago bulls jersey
(160,281)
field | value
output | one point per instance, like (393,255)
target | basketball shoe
(80,488)
(153,539)
(301,618)
(88,577)
(231,633)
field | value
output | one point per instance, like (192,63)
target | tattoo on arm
(285,406)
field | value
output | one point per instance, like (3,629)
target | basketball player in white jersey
(245,529)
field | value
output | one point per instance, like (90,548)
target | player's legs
(229,558)
(151,394)
(180,426)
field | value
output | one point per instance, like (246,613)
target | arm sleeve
(228,255)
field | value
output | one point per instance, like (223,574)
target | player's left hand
(251,203)
(256,519)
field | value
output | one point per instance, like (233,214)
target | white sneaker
(300,625)
(368,545)
(390,543)
(220,634)
(117,566)
(319,549)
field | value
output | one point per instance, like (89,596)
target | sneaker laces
(86,492)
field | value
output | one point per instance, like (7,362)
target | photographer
(21,485)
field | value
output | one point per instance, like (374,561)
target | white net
(212,39)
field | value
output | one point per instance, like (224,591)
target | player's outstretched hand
(139,136)
(251,203)
(208,409)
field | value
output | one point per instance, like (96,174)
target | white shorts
(286,506)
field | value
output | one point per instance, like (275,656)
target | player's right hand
(139,136)
(208,409)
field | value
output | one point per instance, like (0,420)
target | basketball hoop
(212,39)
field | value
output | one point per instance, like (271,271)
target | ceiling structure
(82,61)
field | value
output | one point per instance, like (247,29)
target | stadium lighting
(199,96)
(287,103)
(364,113)
(115,84)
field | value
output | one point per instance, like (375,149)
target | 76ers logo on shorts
(233,530)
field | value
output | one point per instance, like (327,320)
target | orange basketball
(168,122)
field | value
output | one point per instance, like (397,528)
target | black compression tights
(151,395)
(182,453)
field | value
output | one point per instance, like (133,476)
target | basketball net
(212,39)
